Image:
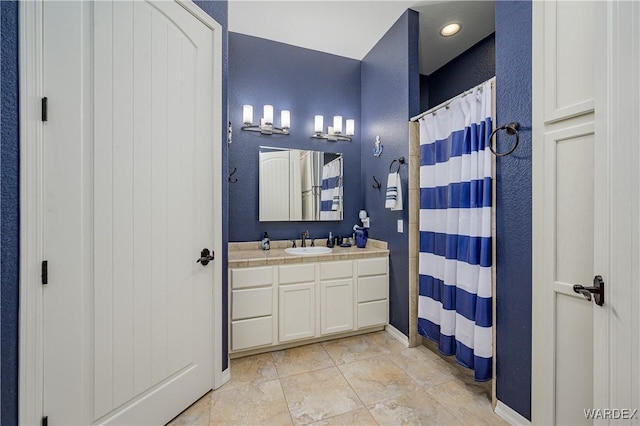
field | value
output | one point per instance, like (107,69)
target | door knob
(597,290)
(205,257)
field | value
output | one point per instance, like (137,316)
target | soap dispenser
(330,240)
(266,243)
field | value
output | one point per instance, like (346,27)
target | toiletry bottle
(330,240)
(266,243)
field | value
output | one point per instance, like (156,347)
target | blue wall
(10,212)
(472,67)
(306,82)
(513,214)
(390,96)
(9,198)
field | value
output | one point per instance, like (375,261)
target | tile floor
(365,380)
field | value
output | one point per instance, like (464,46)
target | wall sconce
(266,126)
(333,133)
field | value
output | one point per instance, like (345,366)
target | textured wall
(306,82)
(10,212)
(218,10)
(513,318)
(472,67)
(390,96)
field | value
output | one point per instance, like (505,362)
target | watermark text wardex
(611,413)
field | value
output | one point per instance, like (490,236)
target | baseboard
(509,415)
(397,334)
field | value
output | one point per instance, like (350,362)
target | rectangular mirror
(297,185)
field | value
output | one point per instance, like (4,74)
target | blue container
(361,237)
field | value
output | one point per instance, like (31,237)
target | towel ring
(512,129)
(400,162)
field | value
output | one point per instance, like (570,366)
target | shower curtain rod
(446,103)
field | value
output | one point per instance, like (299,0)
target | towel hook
(512,129)
(377,185)
(232,179)
(400,162)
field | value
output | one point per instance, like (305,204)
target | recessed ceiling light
(450,29)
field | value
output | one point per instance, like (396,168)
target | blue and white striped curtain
(454,307)
(331,191)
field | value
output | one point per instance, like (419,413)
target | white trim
(31,355)
(225,376)
(509,415)
(397,334)
(541,364)
(218,379)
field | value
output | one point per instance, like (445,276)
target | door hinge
(45,421)
(45,272)
(44,109)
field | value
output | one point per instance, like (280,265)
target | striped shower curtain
(454,307)
(331,191)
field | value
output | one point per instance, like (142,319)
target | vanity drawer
(335,270)
(250,303)
(297,273)
(374,266)
(251,333)
(372,288)
(372,313)
(251,277)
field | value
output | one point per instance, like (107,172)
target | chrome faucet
(305,235)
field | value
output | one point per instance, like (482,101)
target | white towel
(394,192)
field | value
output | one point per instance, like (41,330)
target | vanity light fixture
(266,126)
(333,133)
(450,29)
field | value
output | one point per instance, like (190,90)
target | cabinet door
(336,302)
(297,311)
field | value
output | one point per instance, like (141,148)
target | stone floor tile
(301,360)
(259,404)
(360,417)
(250,370)
(318,395)
(377,379)
(197,414)
(412,409)
(350,349)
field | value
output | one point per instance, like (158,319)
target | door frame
(617,106)
(31,353)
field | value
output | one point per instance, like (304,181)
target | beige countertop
(249,253)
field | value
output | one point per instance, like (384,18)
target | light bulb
(317,127)
(285,119)
(268,115)
(351,126)
(337,124)
(247,115)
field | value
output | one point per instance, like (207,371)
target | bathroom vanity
(278,300)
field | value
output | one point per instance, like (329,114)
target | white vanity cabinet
(278,306)
(336,297)
(252,307)
(297,301)
(373,291)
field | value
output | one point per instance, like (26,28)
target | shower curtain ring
(512,129)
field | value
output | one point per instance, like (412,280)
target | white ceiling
(351,28)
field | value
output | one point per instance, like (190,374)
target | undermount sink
(308,250)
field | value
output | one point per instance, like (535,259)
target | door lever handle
(205,257)
(597,290)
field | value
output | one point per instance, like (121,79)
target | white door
(584,60)
(275,186)
(128,206)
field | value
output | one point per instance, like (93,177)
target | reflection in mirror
(298,185)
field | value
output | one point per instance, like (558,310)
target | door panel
(574,362)
(135,310)
(565,210)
